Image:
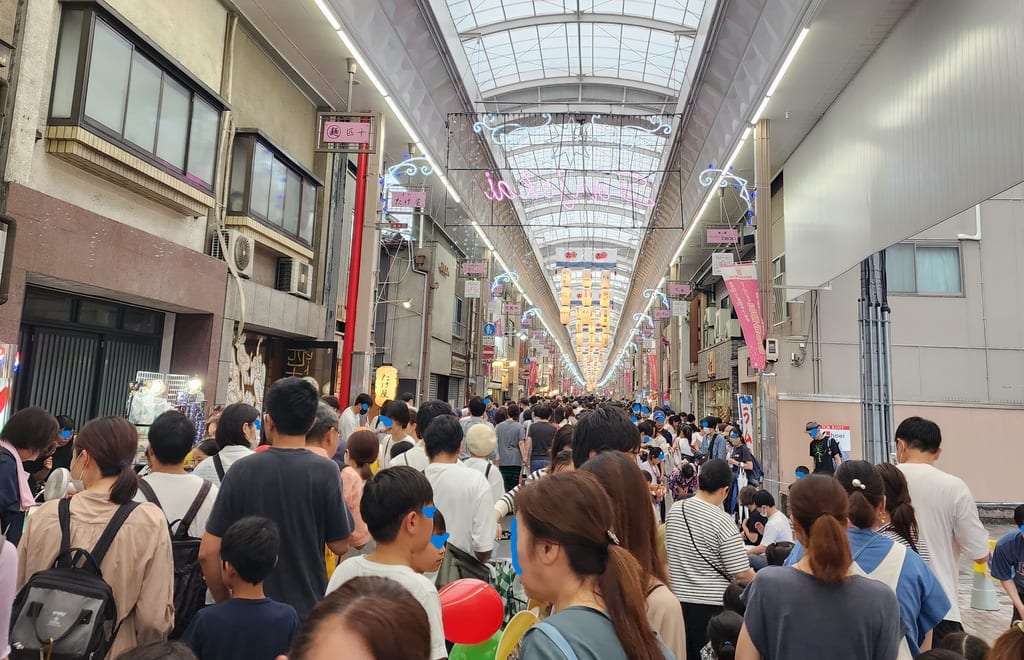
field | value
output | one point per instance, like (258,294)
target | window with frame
(271,187)
(780,313)
(925,268)
(111,81)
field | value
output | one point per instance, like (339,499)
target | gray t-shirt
(791,614)
(509,433)
(590,634)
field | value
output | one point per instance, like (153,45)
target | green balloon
(482,651)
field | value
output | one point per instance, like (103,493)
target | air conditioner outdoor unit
(295,277)
(722,323)
(234,246)
(710,316)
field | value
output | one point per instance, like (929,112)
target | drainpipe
(428,295)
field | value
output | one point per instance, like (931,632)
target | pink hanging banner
(534,373)
(652,370)
(741,282)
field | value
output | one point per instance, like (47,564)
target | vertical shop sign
(741,282)
(746,407)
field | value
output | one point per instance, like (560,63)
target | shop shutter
(121,359)
(63,368)
(432,390)
(455,392)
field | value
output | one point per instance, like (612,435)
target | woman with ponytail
(138,566)
(571,557)
(899,522)
(816,608)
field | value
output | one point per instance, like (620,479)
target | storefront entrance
(79,354)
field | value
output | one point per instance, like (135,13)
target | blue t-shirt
(922,601)
(1008,559)
(239,628)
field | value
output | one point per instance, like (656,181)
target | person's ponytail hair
(898,504)
(582,526)
(112,443)
(866,490)
(820,507)
(723,634)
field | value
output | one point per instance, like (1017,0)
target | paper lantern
(563,315)
(606,279)
(587,277)
(385,386)
(566,294)
(606,317)
(566,278)
(605,298)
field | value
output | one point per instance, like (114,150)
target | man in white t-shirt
(777,528)
(170,440)
(947,516)
(398,511)
(460,493)
(354,416)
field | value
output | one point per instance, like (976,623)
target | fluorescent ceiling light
(328,13)
(789,60)
(760,110)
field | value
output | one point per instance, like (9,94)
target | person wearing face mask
(237,432)
(775,529)
(41,468)
(824,450)
(138,565)
(354,416)
(27,435)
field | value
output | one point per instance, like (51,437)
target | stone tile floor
(986,625)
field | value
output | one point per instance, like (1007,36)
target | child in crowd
(397,507)
(723,631)
(428,560)
(969,646)
(481,442)
(248,625)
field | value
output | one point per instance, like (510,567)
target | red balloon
(471,611)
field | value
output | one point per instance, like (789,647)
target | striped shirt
(507,504)
(696,579)
(889,531)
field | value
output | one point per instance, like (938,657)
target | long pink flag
(741,281)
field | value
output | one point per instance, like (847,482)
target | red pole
(354,267)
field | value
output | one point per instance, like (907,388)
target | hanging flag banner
(676,290)
(513,308)
(720,259)
(746,408)
(472,288)
(600,258)
(741,282)
(474,268)
(661,314)
(652,370)
(679,307)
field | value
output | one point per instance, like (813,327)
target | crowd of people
(312,530)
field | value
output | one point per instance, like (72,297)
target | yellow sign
(563,315)
(566,278)
(566,296)
(588,296)
(385,387)
(605,298)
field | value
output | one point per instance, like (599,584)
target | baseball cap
(481,439)
(659,416)
(811,425)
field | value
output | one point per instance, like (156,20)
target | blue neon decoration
(725,179)
(655,293)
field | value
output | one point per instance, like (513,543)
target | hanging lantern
(587,277)
(606,317)
(593,327)
(579,339)
(605,340)
(585,314)
(588,297)
(606,279)
(605,297)
(566,278)
(566,296)
(563,315)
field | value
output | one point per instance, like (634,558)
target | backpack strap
(149,493)
(487,472)
(556,638)
(113,527)
(190,515)
(64,517)
(218,465)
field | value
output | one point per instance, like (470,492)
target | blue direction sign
(490,329)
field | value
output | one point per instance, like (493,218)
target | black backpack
(189,583)
(67,612)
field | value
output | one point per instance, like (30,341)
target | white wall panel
(929,127)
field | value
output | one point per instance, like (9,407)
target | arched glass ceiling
(580,181)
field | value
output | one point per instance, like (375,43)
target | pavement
(986,625)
